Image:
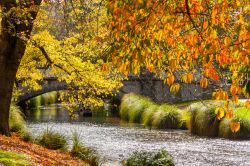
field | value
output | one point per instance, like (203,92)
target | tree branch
(47,57)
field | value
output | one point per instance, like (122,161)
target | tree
(71,49)
(16,23)
(211,38)
(68,40)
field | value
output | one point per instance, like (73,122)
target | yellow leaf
(204,83)
(220,113)
(227,41)
(175,88)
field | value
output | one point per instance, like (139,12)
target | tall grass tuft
(139,109)
(202,120)
(241,115)
(167,116)
(147,115)
(84,153)
(17,123)
(16,120)
(132,107)
(52,140)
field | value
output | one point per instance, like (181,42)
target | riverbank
(38,154)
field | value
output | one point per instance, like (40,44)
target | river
(115,140)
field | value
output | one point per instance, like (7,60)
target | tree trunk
(7,78)
(12,48)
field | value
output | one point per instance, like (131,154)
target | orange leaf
(247,104)
(205,24)
(189,77)
(235,99)
(229,114)
(170,79)
(104,67)
(235,126)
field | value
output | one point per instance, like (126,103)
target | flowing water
(115,140)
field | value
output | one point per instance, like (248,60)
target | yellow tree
(74,55)
(186,36)
(68,40)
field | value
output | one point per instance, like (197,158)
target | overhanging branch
(47,57)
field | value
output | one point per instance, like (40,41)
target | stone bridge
(48,84)
(146,85)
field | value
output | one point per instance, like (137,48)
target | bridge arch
(49,85)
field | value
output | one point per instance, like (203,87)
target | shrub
(52,140)
(241,115)
(13,159)
(84,153)
(150,159)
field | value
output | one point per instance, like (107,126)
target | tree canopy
(211,38)
(71,49)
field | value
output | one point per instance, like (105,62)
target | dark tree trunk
(7,78)
(12,49)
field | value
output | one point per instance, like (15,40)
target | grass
(147,115)
(16,120)
(82,152)
(132,107)
(17,123)
(202,120)
(139,109)
(167,116)
(241,115)
(52,140)
(14,159)
(143,158)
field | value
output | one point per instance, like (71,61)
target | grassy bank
(241,115)
(27,152)
(14,159)
(201,120)
(48,141)
(198,117)
(139,109)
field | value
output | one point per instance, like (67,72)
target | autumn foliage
(187,36)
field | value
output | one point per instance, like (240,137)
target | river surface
(115,140)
